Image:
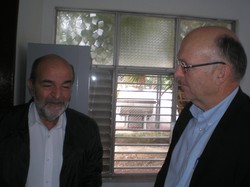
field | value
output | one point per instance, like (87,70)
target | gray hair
(235,54)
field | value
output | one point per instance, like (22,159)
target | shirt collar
(215,113)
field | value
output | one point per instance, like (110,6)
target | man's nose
(56,92)
(179,72)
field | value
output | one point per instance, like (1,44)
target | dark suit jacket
(225,161)
(82,150)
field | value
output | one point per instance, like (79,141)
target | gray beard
(45,111)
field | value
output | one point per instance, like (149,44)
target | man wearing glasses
(211,139)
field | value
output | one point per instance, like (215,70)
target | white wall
(36,24)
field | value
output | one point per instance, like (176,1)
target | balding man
(210,143)
(44,143)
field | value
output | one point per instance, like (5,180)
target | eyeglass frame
(186,66)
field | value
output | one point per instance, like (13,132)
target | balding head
(219,42)
(212,32)
(212,63)
(51,60)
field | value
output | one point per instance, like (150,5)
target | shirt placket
(48,165)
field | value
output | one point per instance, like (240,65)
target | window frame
(116,70)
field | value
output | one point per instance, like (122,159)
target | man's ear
(223,73)
(30,87)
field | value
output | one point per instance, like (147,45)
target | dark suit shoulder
(13,121)
(15,113)
(76,115)
(83,122)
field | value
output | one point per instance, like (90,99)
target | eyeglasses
(186,66)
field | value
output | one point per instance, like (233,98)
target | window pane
(92,29)
(144,115)
(146,41)
(187,25)
(100,108)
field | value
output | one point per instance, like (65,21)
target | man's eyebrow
(68,81)
(46,81)
(50,81)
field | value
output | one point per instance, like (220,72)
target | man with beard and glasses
(210,145)
(44,143)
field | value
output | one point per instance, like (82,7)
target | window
(133,95)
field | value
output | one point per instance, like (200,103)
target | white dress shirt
(46,148)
